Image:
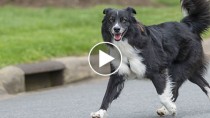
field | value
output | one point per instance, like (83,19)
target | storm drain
(43,75)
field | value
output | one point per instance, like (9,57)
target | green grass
(168,2)
(34,34)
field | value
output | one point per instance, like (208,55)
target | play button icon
(104,58)
(100,58)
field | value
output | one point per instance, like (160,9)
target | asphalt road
(138,100)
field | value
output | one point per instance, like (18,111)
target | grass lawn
(168,2)
(34,34)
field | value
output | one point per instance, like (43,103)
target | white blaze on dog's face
(118,21)
(118,30)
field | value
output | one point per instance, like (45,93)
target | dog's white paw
(162,111)
(172,109)
(99,114)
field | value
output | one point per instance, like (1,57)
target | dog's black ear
(131,10)
(107,10)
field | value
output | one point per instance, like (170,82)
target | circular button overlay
(102,55)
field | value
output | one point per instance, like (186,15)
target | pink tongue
(117,37)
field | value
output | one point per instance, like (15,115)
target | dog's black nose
(117,29)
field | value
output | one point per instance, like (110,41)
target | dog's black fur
(173,47)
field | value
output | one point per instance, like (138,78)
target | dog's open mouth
(118,37)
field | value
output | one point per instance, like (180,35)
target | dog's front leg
(114,88)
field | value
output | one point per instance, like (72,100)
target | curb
(76,68)
(28,77)
(11,80)
(61,71)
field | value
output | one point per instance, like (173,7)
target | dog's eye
(124,20)
(111,19)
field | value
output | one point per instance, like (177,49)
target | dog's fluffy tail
(197,14)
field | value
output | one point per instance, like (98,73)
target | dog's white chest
(131,60)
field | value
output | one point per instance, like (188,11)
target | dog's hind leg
(114,88)
(175,91)
(164,86)
(201,82)
(177,80)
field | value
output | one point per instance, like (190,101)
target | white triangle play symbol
(104,58)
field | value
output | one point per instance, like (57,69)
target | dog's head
(117,22)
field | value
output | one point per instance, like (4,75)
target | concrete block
(12,80)
(76,68)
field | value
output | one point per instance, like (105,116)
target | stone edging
(12,78)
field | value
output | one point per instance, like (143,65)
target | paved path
(206,46)
(138,100)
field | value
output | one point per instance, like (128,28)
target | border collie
(168,54)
